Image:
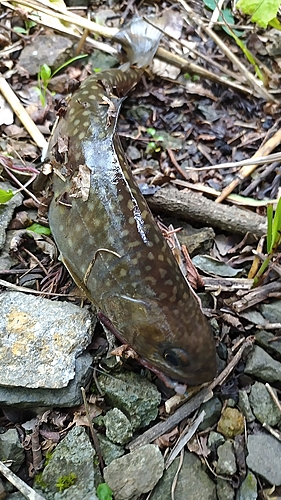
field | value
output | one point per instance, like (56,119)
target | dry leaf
(167,440)
(125,351)
(199,446)
(81,183)
(6,112)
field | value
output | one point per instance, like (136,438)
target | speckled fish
(107,236)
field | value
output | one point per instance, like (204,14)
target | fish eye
(176,357)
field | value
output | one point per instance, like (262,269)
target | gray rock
(262,365)
(139,113)
(133,153)
(212,410)
(248,489)
(50,49)
(207,303)
(109,450)
(12,449)
(134,395)
(215,439)
(263,405)
(226,460)
(193,483)
(244,405)
(231,403)
(253,316)
(101,60)
(264,339)
(2,490)
(15,496)
(20,397)
(264,457)
(73,455)
(40,341)
(224,490)
(272,311)
(7,260)
(7,210)
(135,473)
(118,427)
(197,241)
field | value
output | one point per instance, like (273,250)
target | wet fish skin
(110,243)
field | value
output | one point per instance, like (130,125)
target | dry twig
(186,435)
(253,82)
(193,404)
(175,480)
(27,492)
(274,397)
(58,13)
(193,207)
(21,113)
(247,170)
(257,295)
(92,430)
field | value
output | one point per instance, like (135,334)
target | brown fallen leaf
(80,417)
(167,440)
(81,183)
(125,351)
(198,445)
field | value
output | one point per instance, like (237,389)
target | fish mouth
(191,376)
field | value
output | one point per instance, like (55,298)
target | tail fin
(140,39)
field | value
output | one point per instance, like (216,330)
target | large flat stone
(40,341)
(22,397)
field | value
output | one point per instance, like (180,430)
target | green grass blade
(269,214)
(249,56)
(76,58)
(276,226)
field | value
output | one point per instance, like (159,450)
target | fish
(107,236)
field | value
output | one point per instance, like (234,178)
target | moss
(48,457)
(39,482)
(65,482)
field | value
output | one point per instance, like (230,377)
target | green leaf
(225,16)
(37,228)
(228,18)
(248,202)
(45,73)
(276,226)
(152,147)
(269,214)
(275,24)
(20,30)
(151,131)
(262,11)
(211,4)
(104,492)
(30,24)
(5,195)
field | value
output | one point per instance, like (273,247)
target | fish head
(179,346)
